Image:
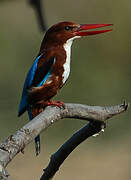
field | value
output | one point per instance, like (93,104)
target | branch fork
(95,115)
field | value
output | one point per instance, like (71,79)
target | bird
(51,68)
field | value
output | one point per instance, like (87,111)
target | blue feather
(45,78)
(27,84)
(31,73)
(29,113)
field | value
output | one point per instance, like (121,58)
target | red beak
(80,31)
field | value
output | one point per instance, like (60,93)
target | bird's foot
(55,103)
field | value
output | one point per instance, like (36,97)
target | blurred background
(100,75)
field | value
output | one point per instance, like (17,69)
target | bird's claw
(60,104)
(55,103)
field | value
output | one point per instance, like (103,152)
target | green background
(100,75)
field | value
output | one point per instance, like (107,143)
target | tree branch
(92,128)
(58,158)
(17,142)
(37,5)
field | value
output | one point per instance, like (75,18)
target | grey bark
(16,143)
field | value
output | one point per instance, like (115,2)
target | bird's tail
(37,138)
(37,145)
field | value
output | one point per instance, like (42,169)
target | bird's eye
(68,28)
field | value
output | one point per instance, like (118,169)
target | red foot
(55,103)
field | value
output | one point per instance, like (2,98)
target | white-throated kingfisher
(51,68)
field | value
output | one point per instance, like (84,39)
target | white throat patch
(67,47)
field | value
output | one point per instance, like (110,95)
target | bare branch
(92,128)
(64,151)
(37,5)
(17,142)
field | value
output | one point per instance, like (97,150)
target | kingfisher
(51,68)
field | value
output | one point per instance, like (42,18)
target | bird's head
(59,33)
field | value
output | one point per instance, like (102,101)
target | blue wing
(35,77)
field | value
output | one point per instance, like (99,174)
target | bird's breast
(66,65)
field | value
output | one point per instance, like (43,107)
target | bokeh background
(101,75)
